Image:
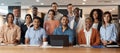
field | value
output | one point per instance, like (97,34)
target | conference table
(37,49)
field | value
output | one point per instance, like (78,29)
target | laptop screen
(59,40)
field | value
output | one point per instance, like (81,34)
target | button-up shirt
(9,34)
(108,33)
(68,31)
(35,36)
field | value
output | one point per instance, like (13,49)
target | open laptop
(59,40)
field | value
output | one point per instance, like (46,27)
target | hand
(104,42)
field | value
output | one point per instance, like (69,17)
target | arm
(44,36)
(97,42)
(18,36)
(27,39)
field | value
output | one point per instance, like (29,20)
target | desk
(20,49)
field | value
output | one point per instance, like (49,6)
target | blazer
(94,40)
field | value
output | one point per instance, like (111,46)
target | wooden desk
(20,49)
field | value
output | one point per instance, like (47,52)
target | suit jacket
(94,40)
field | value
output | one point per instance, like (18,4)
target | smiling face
(106,18)
(70,8)
(95,15)
(64,21)
(16,12)
(88,23)
(54,7)
(50,15)
(36,23)
(10,18)
(28,19)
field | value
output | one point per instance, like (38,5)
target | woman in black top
(25,26)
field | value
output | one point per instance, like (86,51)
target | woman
(25,26)
(96,15)
(10,32)
(108,30)
(51,24)
(89,36)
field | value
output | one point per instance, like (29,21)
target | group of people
(94,30)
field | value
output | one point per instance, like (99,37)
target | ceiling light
(41,3)
(37,0)
(84,0)
(83,3)
(110,10)
(2,4)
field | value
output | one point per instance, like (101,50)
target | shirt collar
(66,29)
(86,30)
(37,29)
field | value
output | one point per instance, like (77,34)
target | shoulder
(16,26)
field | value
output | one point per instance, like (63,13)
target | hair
(54,3)
(8,15)
(99,12)
(69,4)
(28,15)
(76,9)
(64,16)
(52,11)
(37,19)
(35,8)
(89,19)
(107,12)
(16,8)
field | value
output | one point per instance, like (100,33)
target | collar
(86,30)
(37,29)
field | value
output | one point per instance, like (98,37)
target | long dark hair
(99,12)
(28,15)
(8,15)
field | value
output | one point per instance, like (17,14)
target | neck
(64,28)
(96,20)
(106,23)
(87,29)
(36,28)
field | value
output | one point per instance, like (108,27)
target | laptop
(59,40)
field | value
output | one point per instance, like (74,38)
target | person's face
(10,19)
(36,23)
(28,19)
(16,12)
(64,21)
(88,23)
(95,15)
(106,18)
(76,12)
(34,11)
(54,7)
(70,8)
(50,15)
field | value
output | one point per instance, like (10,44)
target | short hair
(64,16)
(16,8)
(38,18)
(69,4)
(8,15)
(54,3)
(99,12)
(107,12)
(52,11)
(89,19)
(28,15)
(35,8)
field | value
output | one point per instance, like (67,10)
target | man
(35,35)
(35,13)
(70,14)
(89,36)
(18,21)
(58,15)
(64,29)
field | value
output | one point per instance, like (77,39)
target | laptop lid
(59,40)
